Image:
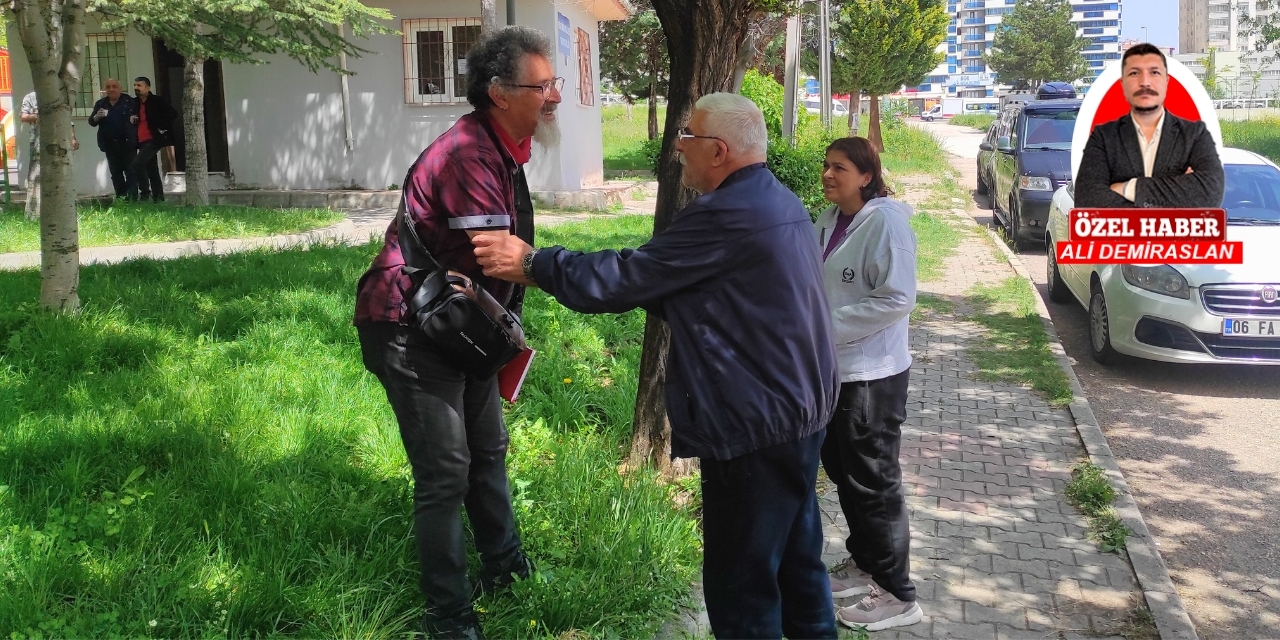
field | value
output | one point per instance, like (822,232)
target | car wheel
(1057,287)
(1015,227)
(1100,328)
(982,184)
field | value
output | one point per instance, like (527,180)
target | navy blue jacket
(738,277)
(115,130)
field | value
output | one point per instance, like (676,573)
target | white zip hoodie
(870,280)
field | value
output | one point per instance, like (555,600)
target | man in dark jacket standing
(117,137)
(1149,157)
(751,374)
(154,122)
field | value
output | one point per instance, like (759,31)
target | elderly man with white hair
(751,374)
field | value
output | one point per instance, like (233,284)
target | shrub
(1260,136)
(650,150)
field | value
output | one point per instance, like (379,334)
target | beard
(547,133)
(1151,109)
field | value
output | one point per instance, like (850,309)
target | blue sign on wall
(811,85)
(562,36)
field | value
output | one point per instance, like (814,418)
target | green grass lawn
(199,452)
(1260,136)
(979,121)
(1016,347)
(137,223)
(623,136)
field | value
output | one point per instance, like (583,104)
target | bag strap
(423,270)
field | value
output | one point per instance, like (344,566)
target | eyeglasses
(554,83)
(684,134)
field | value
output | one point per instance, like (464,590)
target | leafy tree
(1037,43)
(1264,29)
(1212,80)
(879,46)
(240,31)
(633,57)
(52,33)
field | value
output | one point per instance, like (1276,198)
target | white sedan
(1186,313)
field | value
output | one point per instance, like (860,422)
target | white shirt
(1148,148)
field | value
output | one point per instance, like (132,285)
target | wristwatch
(527,264)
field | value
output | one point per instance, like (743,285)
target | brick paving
(997,551)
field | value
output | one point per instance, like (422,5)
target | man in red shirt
(468,180)
(155,132)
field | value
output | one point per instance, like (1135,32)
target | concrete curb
(1171,618)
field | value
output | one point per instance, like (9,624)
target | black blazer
(1113,155)
(160,116)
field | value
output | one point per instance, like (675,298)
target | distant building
(965,74)
(1216,23)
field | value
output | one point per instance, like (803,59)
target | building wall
(285,124)
(1216,23)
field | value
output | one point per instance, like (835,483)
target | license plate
(1251,328)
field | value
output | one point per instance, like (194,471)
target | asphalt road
(1200,447)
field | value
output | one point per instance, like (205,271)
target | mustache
(1145,92)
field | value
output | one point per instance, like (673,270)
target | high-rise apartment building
(973,26)
(1216,23)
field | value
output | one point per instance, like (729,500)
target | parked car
(935,113)
(986,158)
(1181,313)
(1033,157)
(837,107)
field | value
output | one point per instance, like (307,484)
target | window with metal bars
(104,59)
(435,59)
(586,83)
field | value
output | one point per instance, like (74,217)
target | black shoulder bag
(470,327)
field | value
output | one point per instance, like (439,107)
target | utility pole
(824,59)
(792,63)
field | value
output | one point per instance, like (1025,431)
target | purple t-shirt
(837,234)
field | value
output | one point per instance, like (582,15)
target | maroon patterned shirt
(464,180)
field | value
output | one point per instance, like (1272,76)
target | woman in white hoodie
(869,272)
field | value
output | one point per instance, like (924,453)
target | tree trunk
(855,110)
(489,16)
(653,107)
(197,172)
(873,125)
(703,39)
(53,39)
(746,58)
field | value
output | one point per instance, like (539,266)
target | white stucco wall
(285,126)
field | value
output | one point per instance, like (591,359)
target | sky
(1160,17)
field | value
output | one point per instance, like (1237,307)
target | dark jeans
(119,161)
(762,567)
(452,429)
(861,457)
(146,170)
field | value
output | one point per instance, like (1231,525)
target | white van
(815,106)
(932,114)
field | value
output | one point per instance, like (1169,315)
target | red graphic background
(1176,100)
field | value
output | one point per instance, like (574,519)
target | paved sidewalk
(358,227)
(997,551)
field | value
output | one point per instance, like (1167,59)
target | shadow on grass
(199,452)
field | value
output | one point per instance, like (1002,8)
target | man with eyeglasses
(469,180)
(751,373)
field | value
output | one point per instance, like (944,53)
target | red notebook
(511,376)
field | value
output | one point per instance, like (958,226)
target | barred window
(104,58)
(586,84)
(435,59)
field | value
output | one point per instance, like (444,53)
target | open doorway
(169,83)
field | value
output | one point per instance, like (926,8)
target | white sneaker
(878,611)
(847,580)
